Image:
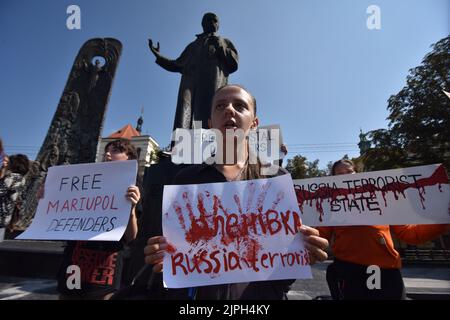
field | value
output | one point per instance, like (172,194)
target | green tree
(300,168)
(154,155)
(419,117)
(385,154)
(297,167)
(329,167)
(312,169)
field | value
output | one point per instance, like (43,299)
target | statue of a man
(205,65)
(94,71)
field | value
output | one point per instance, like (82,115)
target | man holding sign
(208,220)
(362,250)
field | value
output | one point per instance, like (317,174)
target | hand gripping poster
(232,232)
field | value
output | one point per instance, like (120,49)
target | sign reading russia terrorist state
(232,232)
(416,195)
(84,202)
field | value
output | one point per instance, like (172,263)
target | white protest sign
(196,146)
(193,146)
(232,232)
(269,141)
(84,202)
(416,195)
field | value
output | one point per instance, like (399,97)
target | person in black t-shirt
(233,108)
(102,262)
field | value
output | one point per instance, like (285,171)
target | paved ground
(12,288)
(311,288)
(420,282)
(428,281)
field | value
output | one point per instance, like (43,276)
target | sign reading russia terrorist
(416,195)
(232,232)
(84,202)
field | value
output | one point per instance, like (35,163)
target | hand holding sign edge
(155,250)
(315,244)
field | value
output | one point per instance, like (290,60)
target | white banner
(200,145)
(84,202)
(269,141)
(232,232)
(416,195)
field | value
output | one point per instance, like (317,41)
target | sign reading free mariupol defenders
(84,202)
(232,232)
(416,195)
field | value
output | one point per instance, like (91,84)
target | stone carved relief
(78,121)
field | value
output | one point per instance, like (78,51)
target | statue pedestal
(34,259)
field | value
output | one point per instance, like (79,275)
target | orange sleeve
(326,232)
(419,233)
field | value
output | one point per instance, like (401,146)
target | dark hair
(123,145)
(19,163)
(343,161)
(241,87)
(1,145)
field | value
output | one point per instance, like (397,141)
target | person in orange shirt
(355,248)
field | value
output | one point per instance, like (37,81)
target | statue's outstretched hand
(155,50)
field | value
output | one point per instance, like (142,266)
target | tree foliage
(300,168)
(419,117)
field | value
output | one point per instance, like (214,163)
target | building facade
(145,145)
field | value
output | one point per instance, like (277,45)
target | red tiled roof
(126,132)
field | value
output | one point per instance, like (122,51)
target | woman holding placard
(366,264)
(233,108)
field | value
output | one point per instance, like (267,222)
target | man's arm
(134,195)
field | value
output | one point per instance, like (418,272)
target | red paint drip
(280,197)
(262,197)
(438,177)
(211,223)
(179,213)
(171,248)
(201,205)
(250,254)
(188,205)
(250,191)
(238,202)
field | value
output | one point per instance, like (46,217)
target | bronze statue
(205,65)
(94,70)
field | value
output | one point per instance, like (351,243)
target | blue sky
(314,66)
